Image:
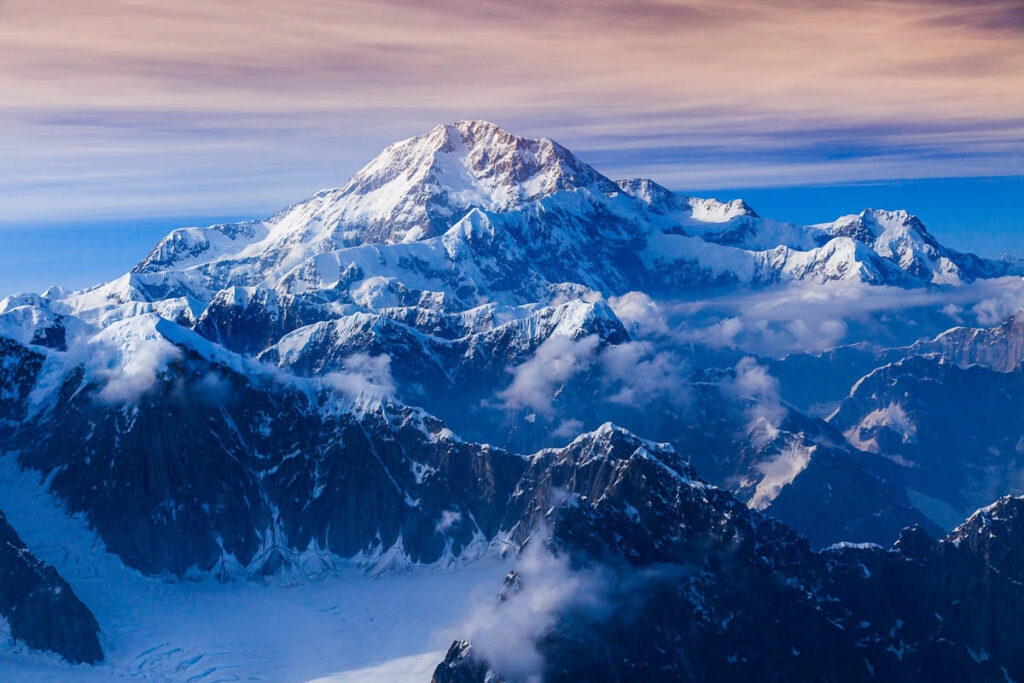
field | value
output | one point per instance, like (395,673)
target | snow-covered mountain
(471,341)
(460,264)
(466,216)
(469,213)
(1000,347)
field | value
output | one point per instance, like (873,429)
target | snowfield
(345,627)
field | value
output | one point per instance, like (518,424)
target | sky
(121,119)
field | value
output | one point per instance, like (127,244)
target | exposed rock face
(19,367)
(460,665)
(40,607)
(727,597)
(269,470)
(931,592)
(266,478)
(248,320)
(800,468)
(213,471)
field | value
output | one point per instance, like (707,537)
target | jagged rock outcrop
(460,665)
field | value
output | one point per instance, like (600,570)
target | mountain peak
(871,224)
(517,201)
(647,191)
(419,187)
(469,131)
(479,160)
(703,210)
(894,220)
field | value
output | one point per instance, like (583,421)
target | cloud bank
(809,317)
(633,373)
(506,632)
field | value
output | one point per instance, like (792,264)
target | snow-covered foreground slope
(349,626)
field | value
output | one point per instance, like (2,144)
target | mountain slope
(956,432)
(1000,347)
(728,597)
(39,607)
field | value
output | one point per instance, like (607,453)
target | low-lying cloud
(555,362)
(639,373)
(758,391)
(506,632)
(811,317)
(632,373)
(363,376)
(130,379)
(125,363)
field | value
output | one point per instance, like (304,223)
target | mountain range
(480,346)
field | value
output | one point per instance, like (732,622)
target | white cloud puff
(556,361)
(505,633)
(364,376)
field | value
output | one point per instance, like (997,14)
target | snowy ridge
(469,202)
(1000,347)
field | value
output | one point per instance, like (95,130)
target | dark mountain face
(20,366)
(816,381)
(218,470)
(956,432)
(727,596)
(831,492)
(211,470)
(1000,347)
(40,608)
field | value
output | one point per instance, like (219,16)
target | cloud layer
(145,107)
(810,317)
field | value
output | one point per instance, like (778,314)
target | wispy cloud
(153,105)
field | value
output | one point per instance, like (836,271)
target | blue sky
(122,119)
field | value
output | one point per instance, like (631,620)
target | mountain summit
(419,187)
(414,189)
